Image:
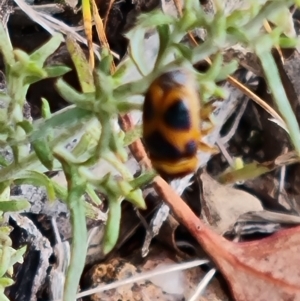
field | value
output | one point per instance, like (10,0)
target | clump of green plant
(8,255)
(104,96)
(49,135)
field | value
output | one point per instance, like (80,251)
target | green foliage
(8,255)
(105,96)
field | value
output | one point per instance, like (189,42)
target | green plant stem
(78,249)
(279,95)
(203,51)
(75,201)
(5,259)
(103,142)
(120,167)
(112,225)
(255,24)
(93,195)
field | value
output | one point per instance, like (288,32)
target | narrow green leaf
(34,70)
(214,68)
(56,71)
(31,70)
(71,95)
(155,18)
(26,125)
(133,135)
(184,51)
(144,179)
(22,57)
(62,119)
(164,41)
(204,50)
(279,95)
(106,61)
(112,228)
(238,18)
(134,196)
(226,70)
(137,50)
(14,205)
(116,146)
(75,201)
(29,80)
(249,171)
(288,42)
(5,189)
(46,111)
(60,191)
(4,234)
(5,259)
(3,161)
(44,152)
(283,18)
(84,71)
(4,282)
(38,179)
(17,256)
(121,71)
(79,246)
(93,195)
(185,23)
(6,47)
(127,106)
(40,55)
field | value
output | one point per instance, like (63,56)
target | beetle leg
(207,148)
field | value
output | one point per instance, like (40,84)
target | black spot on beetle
(148,109)
(177,116)
(160,148)
(191,148)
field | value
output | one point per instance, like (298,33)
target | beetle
(171,123)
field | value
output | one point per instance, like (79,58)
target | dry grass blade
(111,2)
(255,98)
(101,31)
(87,21)
(178,6)
(143,276)
(99,26)
(53,25)
(202,285)
(35,16)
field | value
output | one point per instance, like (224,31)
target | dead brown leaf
(266,269)
(222,204)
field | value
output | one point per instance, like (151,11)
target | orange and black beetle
(171,123)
